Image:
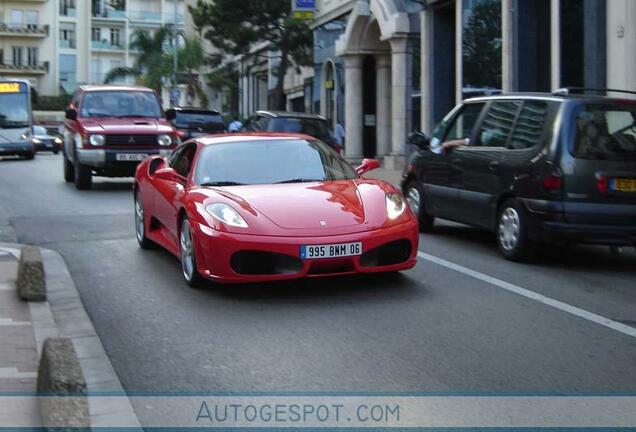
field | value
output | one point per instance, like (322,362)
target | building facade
(59,44)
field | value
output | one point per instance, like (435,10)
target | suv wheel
(415,199)
(28,155)
(83,176)
(188,260)
(69,172)
(512,236)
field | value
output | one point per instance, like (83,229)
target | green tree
(236,26)
(482,45)
(154,66)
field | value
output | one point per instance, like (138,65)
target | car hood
(336,207)
(126,126)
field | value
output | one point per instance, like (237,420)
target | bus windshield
(14,105)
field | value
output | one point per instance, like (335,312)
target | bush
(51,103)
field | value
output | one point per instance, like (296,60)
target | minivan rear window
(605,132)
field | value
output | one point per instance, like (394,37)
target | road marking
(11,372)
(581,313)
(10,322)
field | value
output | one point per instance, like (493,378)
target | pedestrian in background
(235,125)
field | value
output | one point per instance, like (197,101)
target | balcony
(68,12)
(37,69)
(110,15)
(67,43)
(24,30)
(105,46)
(143,16)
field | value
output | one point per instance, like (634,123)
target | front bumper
(548,221)
(105,162)
(214,252)
(16,148)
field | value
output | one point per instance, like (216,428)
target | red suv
(110,129)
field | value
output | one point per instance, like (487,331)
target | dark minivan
(194,122)
(533,168)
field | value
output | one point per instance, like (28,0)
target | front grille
(264,263)
(395,252)
(131,140)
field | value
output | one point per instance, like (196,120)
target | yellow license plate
(624,185)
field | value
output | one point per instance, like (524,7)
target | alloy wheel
(509,228)
(413,200)
(187,251)
(140,227)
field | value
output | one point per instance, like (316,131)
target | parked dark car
(45,141)
(534,168)
(195,122)
(292,122)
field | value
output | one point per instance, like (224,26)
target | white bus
(16,119)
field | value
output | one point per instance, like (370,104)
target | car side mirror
(169,174)
(71,114)
(367,165)
(171,114)
(419,140)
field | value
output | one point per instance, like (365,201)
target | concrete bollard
(61,386)
(30,283)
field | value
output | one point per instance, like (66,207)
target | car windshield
(605,132)
(270,161)
(309,126)
(203,120)
(120,103)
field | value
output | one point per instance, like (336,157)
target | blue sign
(303,5)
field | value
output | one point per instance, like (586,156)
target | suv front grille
(131,140)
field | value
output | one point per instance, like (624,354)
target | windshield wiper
(299,180)
(222,183)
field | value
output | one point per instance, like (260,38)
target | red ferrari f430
(261,207)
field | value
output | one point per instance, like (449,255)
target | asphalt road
(431,329)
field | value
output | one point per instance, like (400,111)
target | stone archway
(379,28)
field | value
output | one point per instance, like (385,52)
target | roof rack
(567,91)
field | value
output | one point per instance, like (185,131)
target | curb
(30,282)
(64,316)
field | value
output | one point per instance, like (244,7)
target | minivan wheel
(512,232)
(415,199)
(188,260)
(69,172)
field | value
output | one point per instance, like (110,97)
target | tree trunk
(279,91)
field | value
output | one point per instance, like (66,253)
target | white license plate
(330,250)
(131,157)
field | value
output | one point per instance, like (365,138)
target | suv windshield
(316,128)
(120,103)
(605,132)
(287,161)
(208,121)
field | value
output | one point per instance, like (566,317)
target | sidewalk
(25,325)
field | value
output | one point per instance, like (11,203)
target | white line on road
(581,313)
(11,372)
(10,322)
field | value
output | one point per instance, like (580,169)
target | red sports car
(260,207)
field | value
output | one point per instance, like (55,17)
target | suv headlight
(395,205)
(226,214)
(36,141)
(25,136)
(96,140)
(164,140)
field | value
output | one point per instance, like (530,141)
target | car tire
(187,256)
(55,152)
(83,176)
(512,235)
(140,225)
(69,171)
(415,199)
(28,155)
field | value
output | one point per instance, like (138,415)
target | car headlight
(58,141)
(164,140)
(24,136)
(96,140)
(226,214)
(395,205)
(37,141)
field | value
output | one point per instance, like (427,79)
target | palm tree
(153,66)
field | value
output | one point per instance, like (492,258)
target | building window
(481,47)
(67,36)
(115,37)
(16,18)
(17,56)
(68,68)
(32,56)
(31,19)
(67,8)
(96,34)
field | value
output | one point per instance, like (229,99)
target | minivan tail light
(552,182)
(602,184)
